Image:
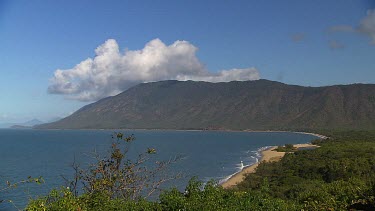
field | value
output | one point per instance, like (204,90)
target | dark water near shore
(50,153)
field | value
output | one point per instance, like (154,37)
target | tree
(110,178)
(118,176)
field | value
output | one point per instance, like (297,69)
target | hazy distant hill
(256,105)
(32,122)
(28,124)
(20,127)
(54,119)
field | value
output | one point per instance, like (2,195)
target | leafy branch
(118,176)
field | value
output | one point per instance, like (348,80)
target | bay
(50,154)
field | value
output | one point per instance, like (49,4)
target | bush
(64,199)
(117,176)
(214,197)
(113,180)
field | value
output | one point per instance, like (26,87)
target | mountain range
(236,105)
(27,124)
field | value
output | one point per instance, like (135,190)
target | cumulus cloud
(365,27)
(111,71)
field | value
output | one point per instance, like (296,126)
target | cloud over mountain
(111,71)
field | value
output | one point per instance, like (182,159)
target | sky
(57,56)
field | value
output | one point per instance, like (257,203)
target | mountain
(28,124)
(253,105)
(32,122)
(54,119)
(20,127)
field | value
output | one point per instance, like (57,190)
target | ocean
(50,153)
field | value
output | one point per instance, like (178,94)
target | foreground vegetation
(339,175)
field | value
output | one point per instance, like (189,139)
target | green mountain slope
(255,105)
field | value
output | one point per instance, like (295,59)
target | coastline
(268,155)
(313,134)
(193,130)
(286,131)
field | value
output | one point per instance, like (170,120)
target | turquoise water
(50,153)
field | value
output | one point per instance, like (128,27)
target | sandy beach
(268,155)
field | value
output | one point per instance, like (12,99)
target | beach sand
(268,155)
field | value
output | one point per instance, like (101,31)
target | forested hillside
(254,105)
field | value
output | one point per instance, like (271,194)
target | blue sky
(312,43)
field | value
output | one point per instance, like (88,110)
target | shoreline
(193,130)
(313,134)
(268,155)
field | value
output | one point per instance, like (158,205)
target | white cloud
(367,26)
(111,71)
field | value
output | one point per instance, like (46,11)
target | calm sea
(50,153)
